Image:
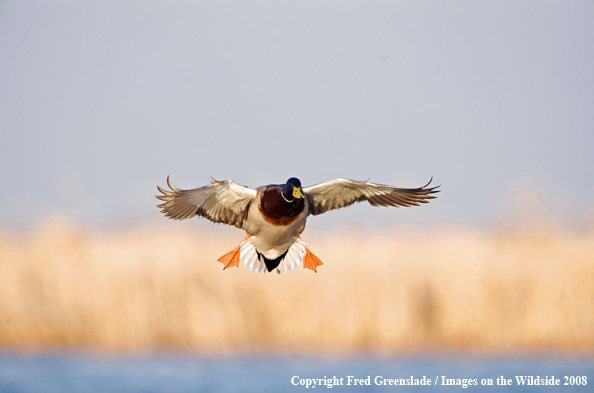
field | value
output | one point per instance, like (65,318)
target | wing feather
(220,202)
(338,193)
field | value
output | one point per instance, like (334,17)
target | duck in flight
(274,216)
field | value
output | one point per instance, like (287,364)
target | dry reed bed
(149,288)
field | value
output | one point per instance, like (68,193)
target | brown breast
(276,210)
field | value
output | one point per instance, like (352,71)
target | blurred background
(101,101)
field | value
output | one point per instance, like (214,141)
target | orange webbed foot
(231,258)
(310,261)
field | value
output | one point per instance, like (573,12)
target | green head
(292,189)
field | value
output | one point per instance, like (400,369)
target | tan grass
(140,289)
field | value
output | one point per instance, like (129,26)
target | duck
(274,216)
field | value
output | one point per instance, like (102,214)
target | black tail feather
(272,264)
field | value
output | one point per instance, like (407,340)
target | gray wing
(221,202)
(338,193)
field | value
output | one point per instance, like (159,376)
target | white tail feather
(293,258)
(249,256)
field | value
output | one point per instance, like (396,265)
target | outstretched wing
(221,202)
(338,193)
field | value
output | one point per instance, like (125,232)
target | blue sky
(100,101)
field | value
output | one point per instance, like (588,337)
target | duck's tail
(257,262)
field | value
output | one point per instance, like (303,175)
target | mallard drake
(274,216)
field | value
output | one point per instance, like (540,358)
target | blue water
(165,372)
